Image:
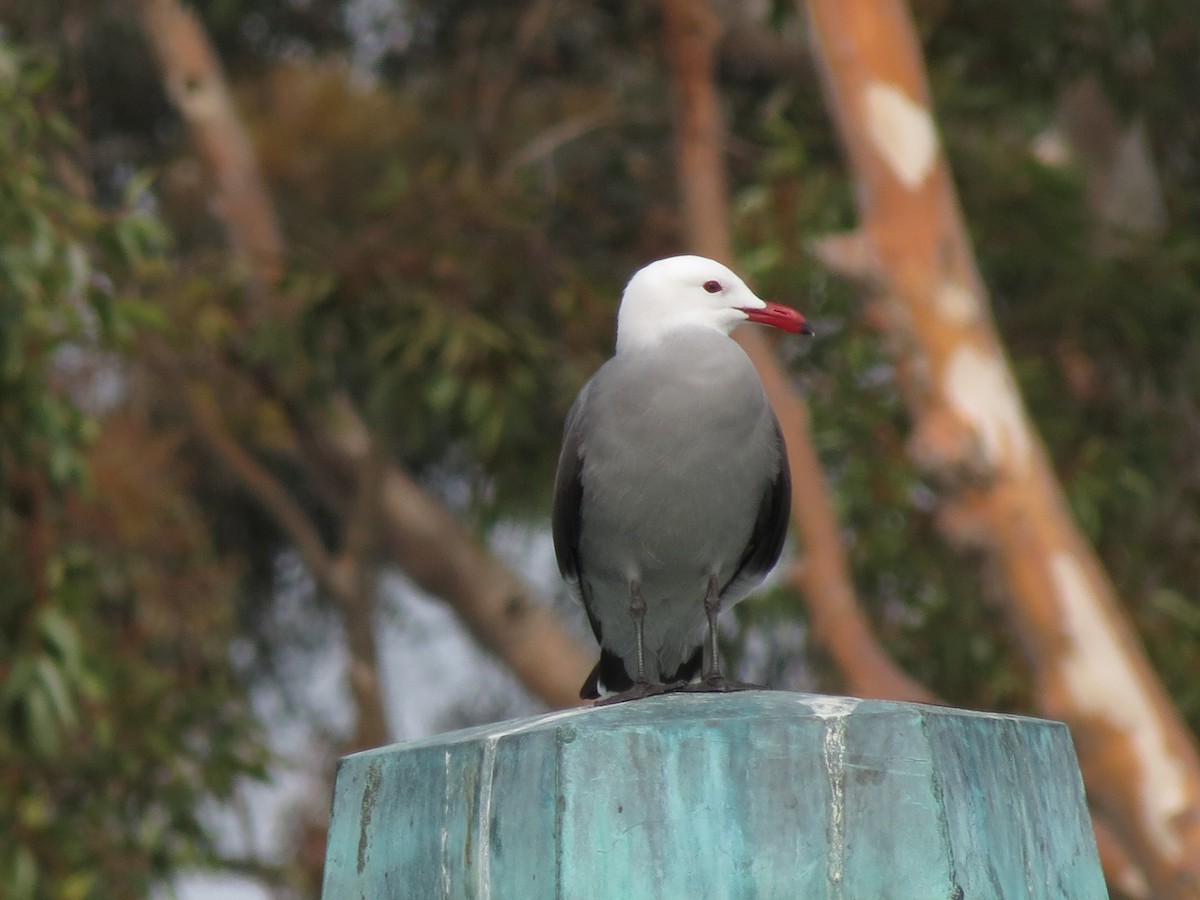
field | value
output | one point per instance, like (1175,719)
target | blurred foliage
(120,713)
(1104,335)
(461,211)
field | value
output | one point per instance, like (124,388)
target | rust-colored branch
(433,548)
(1120,871)
(692,33)
(349,578)
(823,575)
(973,437)
(196,84)
(263,486)
(355,571)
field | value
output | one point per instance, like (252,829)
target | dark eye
(712,286)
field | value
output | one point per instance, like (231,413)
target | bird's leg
(712,609)
(637,609)
(641,686)
(713,679)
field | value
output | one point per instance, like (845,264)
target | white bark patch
(902,132)
(1103,683)
(956,303)
(980,389)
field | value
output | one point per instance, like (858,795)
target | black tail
(611,675)
(690,667)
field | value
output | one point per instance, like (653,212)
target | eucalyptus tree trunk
(972,436)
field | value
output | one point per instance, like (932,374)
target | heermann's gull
(673,492)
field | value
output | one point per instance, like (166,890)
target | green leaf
(34,812)
(17,684)
(78,886)
(41,724)
(79,267)
(138,186)
(443,391)
(63,465)
(23,877)
(142,313)
(55,686)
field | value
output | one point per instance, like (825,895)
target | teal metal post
(758,795)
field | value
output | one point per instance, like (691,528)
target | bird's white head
(692,291)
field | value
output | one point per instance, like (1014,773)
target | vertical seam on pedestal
(833,752)
(483,861)
(483,858)
(833,713)
(446,832)
(559,809)
(940,805)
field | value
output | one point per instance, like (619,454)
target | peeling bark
(196,85)
(971,432)
(692,32)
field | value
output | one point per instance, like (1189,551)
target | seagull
(672,494)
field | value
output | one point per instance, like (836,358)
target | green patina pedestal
(760,794)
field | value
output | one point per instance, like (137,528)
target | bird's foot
(639,691)
(719,684)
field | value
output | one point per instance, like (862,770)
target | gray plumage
(673,471)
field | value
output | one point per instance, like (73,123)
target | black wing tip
(591,686)
(566,516)
(608,675)
(690,667)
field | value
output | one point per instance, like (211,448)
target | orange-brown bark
(196,85)
(1124,876)
(971,434)
(692,32)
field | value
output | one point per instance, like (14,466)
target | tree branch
(357,575)
(196,85)
(348,578)
(849,255)
(210,427)
(441,556)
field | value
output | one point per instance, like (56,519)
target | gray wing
(567,518)
(770,527)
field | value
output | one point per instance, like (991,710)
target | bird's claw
(639,691)
(719,684)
